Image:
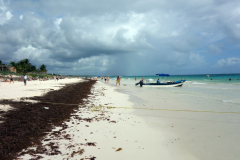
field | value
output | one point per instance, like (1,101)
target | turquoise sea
(200,78)
(214,89)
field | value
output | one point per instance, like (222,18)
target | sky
(126,37)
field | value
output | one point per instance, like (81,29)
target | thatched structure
(8,68)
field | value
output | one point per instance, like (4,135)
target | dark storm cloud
(127,37)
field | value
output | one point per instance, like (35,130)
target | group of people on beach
(24,79)
(118,80)
(106,79)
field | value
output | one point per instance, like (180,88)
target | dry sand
(110,133)
(15,91)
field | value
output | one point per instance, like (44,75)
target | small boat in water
(178,83)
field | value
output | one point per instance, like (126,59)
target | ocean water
(204,114)
(215,90)
(213,78)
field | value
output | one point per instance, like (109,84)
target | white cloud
(196,59)
(216,49)
(57,23)
(5,14)
(232,61)
(8,15)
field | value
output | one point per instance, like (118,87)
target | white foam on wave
(227,101)
(185,94)
(198,83)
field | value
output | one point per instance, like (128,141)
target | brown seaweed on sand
(27,123)
(91,144)
(80,152)
(119,149)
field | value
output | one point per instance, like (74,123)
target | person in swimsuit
(105,78)
(57,77)
(118,81)
(108,80)
(11,79)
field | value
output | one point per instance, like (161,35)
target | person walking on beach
(135,78)
(105,78)
(118,81)
(108,80)
(57,78)
(25,80)
(11,79)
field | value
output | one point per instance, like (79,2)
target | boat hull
(163,85)
(167,84)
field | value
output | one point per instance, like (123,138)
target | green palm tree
(43,68)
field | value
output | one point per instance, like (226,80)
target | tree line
(24,66)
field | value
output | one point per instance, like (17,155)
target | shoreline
(113,124)
(114,133)
(191,124)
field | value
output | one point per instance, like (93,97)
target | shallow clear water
(197,89)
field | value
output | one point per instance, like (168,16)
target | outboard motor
(140,82)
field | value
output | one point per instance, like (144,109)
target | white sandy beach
(17,90)
(138,128)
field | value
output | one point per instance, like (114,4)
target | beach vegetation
(40,75)
(24,66)
(7,73)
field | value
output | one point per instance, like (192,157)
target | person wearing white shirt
(25,79)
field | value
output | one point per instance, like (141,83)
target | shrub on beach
(8,73)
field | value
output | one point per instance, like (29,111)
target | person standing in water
(118,81)
(105,78)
